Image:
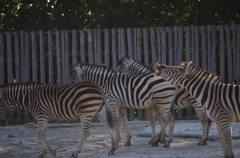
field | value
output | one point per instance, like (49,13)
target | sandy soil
(21,142)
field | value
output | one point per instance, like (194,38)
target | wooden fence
(47,57)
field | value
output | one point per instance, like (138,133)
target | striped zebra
(221,101)
(58,102)
(130,91)
(182,100)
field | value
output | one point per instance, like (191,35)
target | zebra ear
(129,62)
(188,68)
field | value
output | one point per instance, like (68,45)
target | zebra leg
(85,125)
(103,116)
(123,116)
(201,113)
(161,136)
(151,116)
(42,128)
(167,115)
(225,133)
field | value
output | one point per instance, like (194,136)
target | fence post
(2,74)
(229,56)
(34,57)
(9,58)
(82,46)
(50,58)
(42,57)
(222,53)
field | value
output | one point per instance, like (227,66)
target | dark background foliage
(78,14)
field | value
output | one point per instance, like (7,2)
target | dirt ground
(21,141)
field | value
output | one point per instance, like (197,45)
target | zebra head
(6,109)
(172,74)
(78,73)
(131,66)
(124,64)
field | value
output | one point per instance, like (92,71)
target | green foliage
(78,14)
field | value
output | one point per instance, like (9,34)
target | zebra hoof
(150,141)
(128,143)
(74,155)
(111,153)
(53,152)
(166,145)
(202,142)
(155,143)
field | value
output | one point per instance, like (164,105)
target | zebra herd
(102,92)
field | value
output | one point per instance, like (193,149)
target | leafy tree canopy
(79,14)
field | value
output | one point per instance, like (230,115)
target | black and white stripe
(58,102)
(130,91)
(183,99)
(221,101)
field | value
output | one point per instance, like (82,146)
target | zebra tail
(109,114)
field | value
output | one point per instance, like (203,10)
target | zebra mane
(127,58)
(93,65)
(199,68)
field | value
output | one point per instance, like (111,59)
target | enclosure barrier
(47,57)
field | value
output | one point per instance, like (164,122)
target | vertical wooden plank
(9,58)
(74,47)
(196,43)
(98,61)
(22,57)
(222,53)
(192,43)
(50,58)
(204,48)
(153,48)
(114,50)
(170,45)
(17,57)
(164,50)
(188,44)
(214,55)
(130,42)
(106,47)
(209,48)
(67,53)
(238,54)
(121,43)
(82,46)
(90,47)
(42,58)
(234,50)
(34,57)
(146,46)
(63,56)
(229,55)
(159,46)
(175,31)
(27,57)
(180,45)
(59,57)
(2,74)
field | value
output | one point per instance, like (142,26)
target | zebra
(58,102)
(130,91)
(183,99)
(221,101)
